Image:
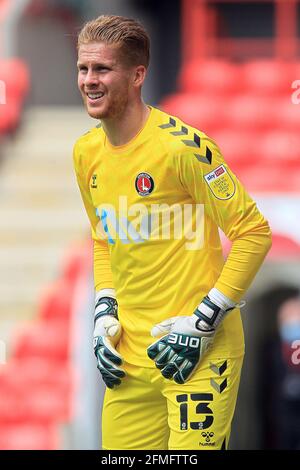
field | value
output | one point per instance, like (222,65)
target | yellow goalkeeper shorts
(148,411)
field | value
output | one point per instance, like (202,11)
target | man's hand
(107,333)
(186,339)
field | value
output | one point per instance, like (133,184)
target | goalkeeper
(168,334)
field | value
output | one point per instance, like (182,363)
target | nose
(91,78)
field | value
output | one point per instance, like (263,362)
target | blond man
(156,191)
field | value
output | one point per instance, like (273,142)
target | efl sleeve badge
(220,183)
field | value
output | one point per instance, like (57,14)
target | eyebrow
(98,64)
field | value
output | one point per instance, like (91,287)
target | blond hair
(126,33)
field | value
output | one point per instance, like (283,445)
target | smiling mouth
(95,96)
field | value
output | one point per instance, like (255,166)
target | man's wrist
(208,314)
(108,292)
(212,309)
(106,306)
(220,299)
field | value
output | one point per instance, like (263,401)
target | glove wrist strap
(106,306)
(210,313)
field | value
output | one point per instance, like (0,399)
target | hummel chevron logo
(218,370)
(171,123)
(196,142)
(217,387)
(193,143)
(205,159)
(183,131)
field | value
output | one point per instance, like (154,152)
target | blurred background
(230,68)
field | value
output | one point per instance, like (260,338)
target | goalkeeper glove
(107,333)
(186,339)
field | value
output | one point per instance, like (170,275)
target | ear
(139,75)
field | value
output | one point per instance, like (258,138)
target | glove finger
(206,344)
(173,366)
(164,357)
(109,379)
(164,327)
(169,370)
(157,347)
(106,349)
(184,372)
(111,352)
(109,365)
(113,373)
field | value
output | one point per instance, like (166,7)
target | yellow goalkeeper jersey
(155,205)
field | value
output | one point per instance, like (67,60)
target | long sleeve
(209,181)
(102,267)
(102,270)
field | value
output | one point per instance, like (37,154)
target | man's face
(103,80)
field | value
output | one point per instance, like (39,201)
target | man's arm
(107,328)
(228,204)
(102,268)
(186,339)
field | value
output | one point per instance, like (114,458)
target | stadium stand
(268,77)
(256,125)
(15,75)
(244,106)
(38,385)
(29,437)
(259,136)
(39,382)
(211,77)
(251,76)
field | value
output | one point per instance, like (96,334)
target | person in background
(281,393)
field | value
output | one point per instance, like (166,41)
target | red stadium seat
(284,247)
(280,148)
(289,114)
(37,405)
(266,177)
(250,113)
(267,77)
(29,436)
(77,258)
(44,404)
(238,148)
(12,409)
(212,77)
(43,339)
(56,301)
(197,110)
(22,373)
(15,75)
(41,391)
(10,114)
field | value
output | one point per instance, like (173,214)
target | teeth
(95,96)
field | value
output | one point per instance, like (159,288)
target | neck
(121,130)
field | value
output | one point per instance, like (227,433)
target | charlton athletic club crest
(144,184)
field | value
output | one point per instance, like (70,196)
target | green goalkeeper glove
(186,339)
(107,333)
